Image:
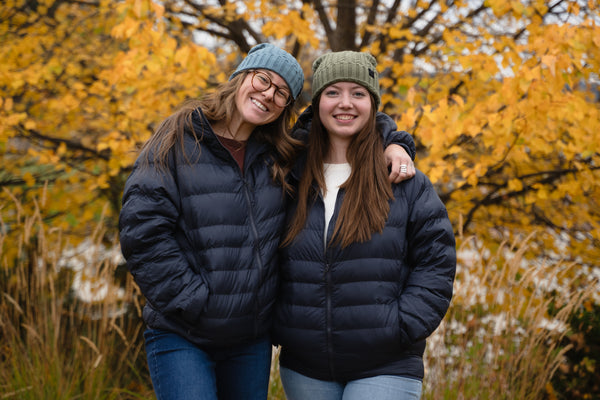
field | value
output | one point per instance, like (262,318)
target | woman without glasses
(368,266)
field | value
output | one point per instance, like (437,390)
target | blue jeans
(382,387)
(181,370)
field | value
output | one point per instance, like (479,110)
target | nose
(270,93)
(345,100)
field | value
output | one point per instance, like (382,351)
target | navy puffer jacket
(366,310)
(201,240)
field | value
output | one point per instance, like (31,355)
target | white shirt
(335,176)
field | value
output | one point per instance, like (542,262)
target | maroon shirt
(237,148)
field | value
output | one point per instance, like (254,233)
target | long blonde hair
(219,105)
(365,207)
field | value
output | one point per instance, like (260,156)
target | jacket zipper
(329,317)
(259,260)
(254,230)
(328,290)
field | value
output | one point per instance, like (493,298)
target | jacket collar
(208,137)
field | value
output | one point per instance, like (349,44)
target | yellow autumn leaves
(504,114)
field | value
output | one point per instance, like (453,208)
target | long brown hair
(365,206)
(219,105)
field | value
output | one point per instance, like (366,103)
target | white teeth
(344,117)
(259,105)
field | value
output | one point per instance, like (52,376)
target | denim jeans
(180,370)
(382,387)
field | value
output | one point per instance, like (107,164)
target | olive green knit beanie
(348,66)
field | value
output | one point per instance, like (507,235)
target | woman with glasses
(203,213)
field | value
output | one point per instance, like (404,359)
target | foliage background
(501,97)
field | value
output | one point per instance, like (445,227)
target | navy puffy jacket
(201,240)
(366,310)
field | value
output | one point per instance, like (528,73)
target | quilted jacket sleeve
(391,135)
(147,225)
(432,258)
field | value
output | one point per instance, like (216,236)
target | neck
(235,130)
(337,152)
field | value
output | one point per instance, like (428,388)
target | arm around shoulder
(391,135)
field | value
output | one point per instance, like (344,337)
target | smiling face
(344,109)
(257,107)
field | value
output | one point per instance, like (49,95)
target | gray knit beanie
(272,58)
(348,66)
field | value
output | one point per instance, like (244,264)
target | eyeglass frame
(278,89)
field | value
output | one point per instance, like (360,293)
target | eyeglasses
(262,82)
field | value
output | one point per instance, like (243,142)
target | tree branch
(371,19)
(318,7)
(58,141)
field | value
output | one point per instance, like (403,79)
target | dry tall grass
(53,344)
(500,337)
(498,341)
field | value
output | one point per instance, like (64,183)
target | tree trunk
(345,30)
